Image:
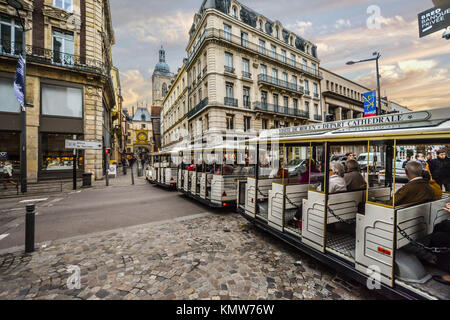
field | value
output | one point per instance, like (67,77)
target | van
(362,160)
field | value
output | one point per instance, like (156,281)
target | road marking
(3,236)
(33,200)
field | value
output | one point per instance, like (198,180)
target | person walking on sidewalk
(7,175)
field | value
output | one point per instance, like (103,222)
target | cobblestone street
(204,256)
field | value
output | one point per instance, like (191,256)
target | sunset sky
(415,71)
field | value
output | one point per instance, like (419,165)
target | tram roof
(396,125)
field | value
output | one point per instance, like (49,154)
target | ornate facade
(69,85)
(244,72)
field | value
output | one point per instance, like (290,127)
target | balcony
(317,117)
(231,102)
(316,95)
(246,74)
(267,107)
(229,69)
(307,92)
(247,102)
(199,107)
(54,58)
(255,48)
(265,79)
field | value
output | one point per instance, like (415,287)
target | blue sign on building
(370,103)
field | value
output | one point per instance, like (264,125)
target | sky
(415,72)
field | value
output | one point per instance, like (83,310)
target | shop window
(55,157)
(8,102)
(10,150)
(62,101)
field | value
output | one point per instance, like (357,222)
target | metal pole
(132,173)
(379,109)
(29,228)
(23,149)
(107,170)
(75,158)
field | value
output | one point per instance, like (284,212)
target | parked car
(296,167)
(400,174)
(362,160)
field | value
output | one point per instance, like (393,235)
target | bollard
(29,228)
(132,175)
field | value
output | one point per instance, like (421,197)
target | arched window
(234,12)
(260,25)
(277,33)
(164,89)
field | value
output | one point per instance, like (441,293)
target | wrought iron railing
(54,57)
(317,117)
(231,102)
(229,69)
(246,74)
(281,83)
(202,104)
(212,33)
(262,106)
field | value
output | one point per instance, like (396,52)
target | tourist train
(284,182)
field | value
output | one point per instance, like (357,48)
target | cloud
(168,29)
(135,88)
(300,27)
(342,23)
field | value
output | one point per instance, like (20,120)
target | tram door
(314,208)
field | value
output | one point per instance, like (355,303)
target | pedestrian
(440,169)
(420,157)
(408,159)
(7,175)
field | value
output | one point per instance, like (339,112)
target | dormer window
(260,25)
(277,33)
(234,12)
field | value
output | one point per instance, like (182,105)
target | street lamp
(16,4)
(377,56)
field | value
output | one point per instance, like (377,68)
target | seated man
(417,190)
(353,179)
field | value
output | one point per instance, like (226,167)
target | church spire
(162,55)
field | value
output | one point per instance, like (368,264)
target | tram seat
(344,205)
(418,221)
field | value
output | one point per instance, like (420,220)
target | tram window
(433,157)
(296,165)
(379,162)
(269,161)
(316,168)
(346,173)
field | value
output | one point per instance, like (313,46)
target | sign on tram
(434,19)
(83,145)
(370,103)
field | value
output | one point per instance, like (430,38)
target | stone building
(244,72)
(69,84)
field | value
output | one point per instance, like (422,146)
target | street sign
(434,19)
(370,103)
(83,145)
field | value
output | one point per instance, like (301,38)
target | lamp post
(16,4)
(377,56)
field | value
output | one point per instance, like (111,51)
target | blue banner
(19,82)
(370,103)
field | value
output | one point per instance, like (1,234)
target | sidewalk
(205,256)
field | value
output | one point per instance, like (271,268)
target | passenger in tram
(440,169)
(304,178)
(353,178)
(417,190)
(350,156)
(337,182)
(436,188)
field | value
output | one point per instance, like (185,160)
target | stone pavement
(207,256)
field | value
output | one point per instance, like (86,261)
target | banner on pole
(19,83)
(370,103)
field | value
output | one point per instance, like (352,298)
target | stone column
(339,113)
(32,143)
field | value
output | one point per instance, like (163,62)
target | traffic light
(107,151)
